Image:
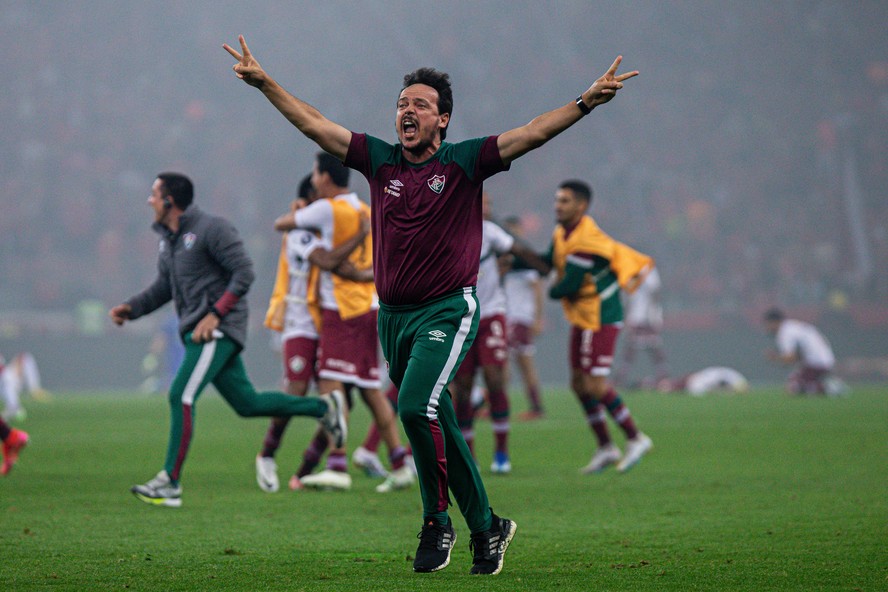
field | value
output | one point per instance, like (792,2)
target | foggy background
(748,158)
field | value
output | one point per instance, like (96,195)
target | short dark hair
(440,81)
(178,187)
(580,188)
(305,190)
(774,314)
(327,163)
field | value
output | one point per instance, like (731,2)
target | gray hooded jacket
(195,267)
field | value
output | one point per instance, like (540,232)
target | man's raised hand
(604,89)
(246,68)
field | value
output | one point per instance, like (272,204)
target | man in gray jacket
(203,267)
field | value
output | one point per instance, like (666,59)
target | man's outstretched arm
(330,136)
(521,140)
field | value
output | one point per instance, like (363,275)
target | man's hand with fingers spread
(246,68)
(606,87)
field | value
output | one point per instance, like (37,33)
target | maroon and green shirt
(426,217)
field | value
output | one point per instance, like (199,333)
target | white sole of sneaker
(443,565)
(512,528)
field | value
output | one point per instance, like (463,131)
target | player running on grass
(426,225)
(590,265)
(204,268)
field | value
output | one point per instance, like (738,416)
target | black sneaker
(435,542)
(489,547)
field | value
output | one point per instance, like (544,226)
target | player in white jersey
(643,327)
(289,313)
(348,346)
(524,315)
(19,375)
(489,351)
(799,343)
(708,380)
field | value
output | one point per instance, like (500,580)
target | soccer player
(426,224)
(302,255)
(13,442)
(802,344)
(19,375)
(712,379)
(204,268)
(489,351)
(348,345)
(588,286)
(644,328)
(524,317)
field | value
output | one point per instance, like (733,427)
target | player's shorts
(489,348)
(645,335)
(349,349)
(593,351)
(300,359)
(807,380)
(521,338)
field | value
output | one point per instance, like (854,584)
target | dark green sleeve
(575,273)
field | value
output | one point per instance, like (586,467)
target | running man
(426,224)
(588,285)
(204,268)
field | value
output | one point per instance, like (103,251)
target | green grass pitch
(755,492)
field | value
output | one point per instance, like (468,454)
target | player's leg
(580,355)
(11,385)
(423,348)
(525,358)
(365,340)
(235,387)
(630,353)
(493,356)
(499,416)
(813,380)
(31,375)
(299,361)
(461,390)
(348,355)
(200,365)
(401,475)
(522,350)
(365,456)
(429,416)
(603,346)
(657,352)
(13,442)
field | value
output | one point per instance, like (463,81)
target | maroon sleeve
(489,160)
(358,156)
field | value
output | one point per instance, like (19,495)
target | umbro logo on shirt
(393,188)
(437,335)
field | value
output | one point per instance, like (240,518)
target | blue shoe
(501,464)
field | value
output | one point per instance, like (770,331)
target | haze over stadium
(749,161)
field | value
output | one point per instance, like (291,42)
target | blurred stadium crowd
(752,166)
